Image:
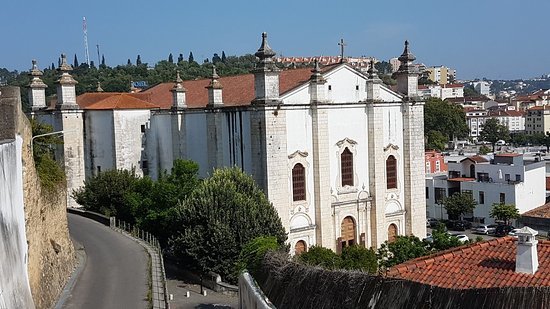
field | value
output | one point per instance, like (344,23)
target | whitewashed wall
(129,142)
(100,143)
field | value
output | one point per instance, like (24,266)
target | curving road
(115,273)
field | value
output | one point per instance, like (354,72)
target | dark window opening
(346,167)
(391,172)
(298,183)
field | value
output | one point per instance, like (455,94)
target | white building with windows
(339,154)
(505,178)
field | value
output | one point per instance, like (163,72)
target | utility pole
(85,29)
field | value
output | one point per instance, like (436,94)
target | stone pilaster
(179,134)
(377,181)
(413,164)
(214,125)
(324,232)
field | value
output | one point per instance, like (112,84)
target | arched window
(300,247)
(298,182)
(472,171)
(437,166)
(428,167)
(346,165)
(391,172)
(392,232)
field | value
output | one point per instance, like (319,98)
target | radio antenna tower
(85,29)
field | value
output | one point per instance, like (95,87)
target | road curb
(81,263)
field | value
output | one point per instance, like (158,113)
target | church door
(300,247)
(392,232)
(348,232)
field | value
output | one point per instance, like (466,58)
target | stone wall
(51,255)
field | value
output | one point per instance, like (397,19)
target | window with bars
(391,172)
(346,161)
(298,182)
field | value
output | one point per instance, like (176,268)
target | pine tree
(138,60)
(191,58)
(224,59)
(170,58)
(75,63)
(180,58)
(53,66)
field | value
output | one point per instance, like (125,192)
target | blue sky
(497,39)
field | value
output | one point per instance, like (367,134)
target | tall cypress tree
(138,60)
(180,58)
(191,58)
(224,59)
(170,58)
(102,60)
(129,62)
(75,63)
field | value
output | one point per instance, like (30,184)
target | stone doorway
(348,232)
(300,247)
(392,232)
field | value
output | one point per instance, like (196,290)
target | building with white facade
(505,178)
(339,154)
(442,91)
(537,120)
(441,74)
(482,87)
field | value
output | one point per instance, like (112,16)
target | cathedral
(338,153)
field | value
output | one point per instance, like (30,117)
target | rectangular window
(481,197)
(483,177)
(502,198)
(142,128)
(427,193)
(439,195)
(507,177)
(518,177)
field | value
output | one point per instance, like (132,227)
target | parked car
(485,229)
(462,238)
(503,230)
(461,225)
(514,232)
(432,222)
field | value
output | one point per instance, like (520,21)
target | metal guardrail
(150,242)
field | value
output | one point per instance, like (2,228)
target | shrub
(321,256)
(404,248)
(252,254)
(359,258)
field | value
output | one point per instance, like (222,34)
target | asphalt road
(115,273)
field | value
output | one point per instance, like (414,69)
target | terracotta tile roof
(508,154)
(482,265)
(107,100)
(237,90)
(510,113)
(542,211)
(476,159)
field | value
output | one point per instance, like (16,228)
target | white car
(462,238)
(514,232)
(485,229)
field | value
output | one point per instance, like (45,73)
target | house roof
(461,179)
(539,212)
(237,90)
(508,154)
(476,159)
(480,265)
(104,101)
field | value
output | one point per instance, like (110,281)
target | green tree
(50,173)
(459,204)
(436,140)
(170,58)
(75,62)
(321,256)
(223,213)
(493,131)
(446,118)
(519,139)
(483,150)
(224,58)
(191,59)
(441,240)
(359,258)
(402,249)
(114,193)
(504,212)
(469,91)
(103,61)
(180,58)
(138,60)
(253,253)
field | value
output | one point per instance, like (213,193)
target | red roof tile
(508,154)
(542,211)
(476,159)
(461,179)
(481,265)
(114,101)
(237,90)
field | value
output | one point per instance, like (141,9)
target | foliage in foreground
(253,253)
(404,248)
(50,173)
(225,212)
(352,258)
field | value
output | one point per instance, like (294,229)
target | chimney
(527,261)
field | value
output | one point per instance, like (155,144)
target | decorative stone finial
(214,83)
(373,72)
(265,53)
(406,57)
(99,89)
(34,70)
(65,67)
(178,86)
(316,76)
